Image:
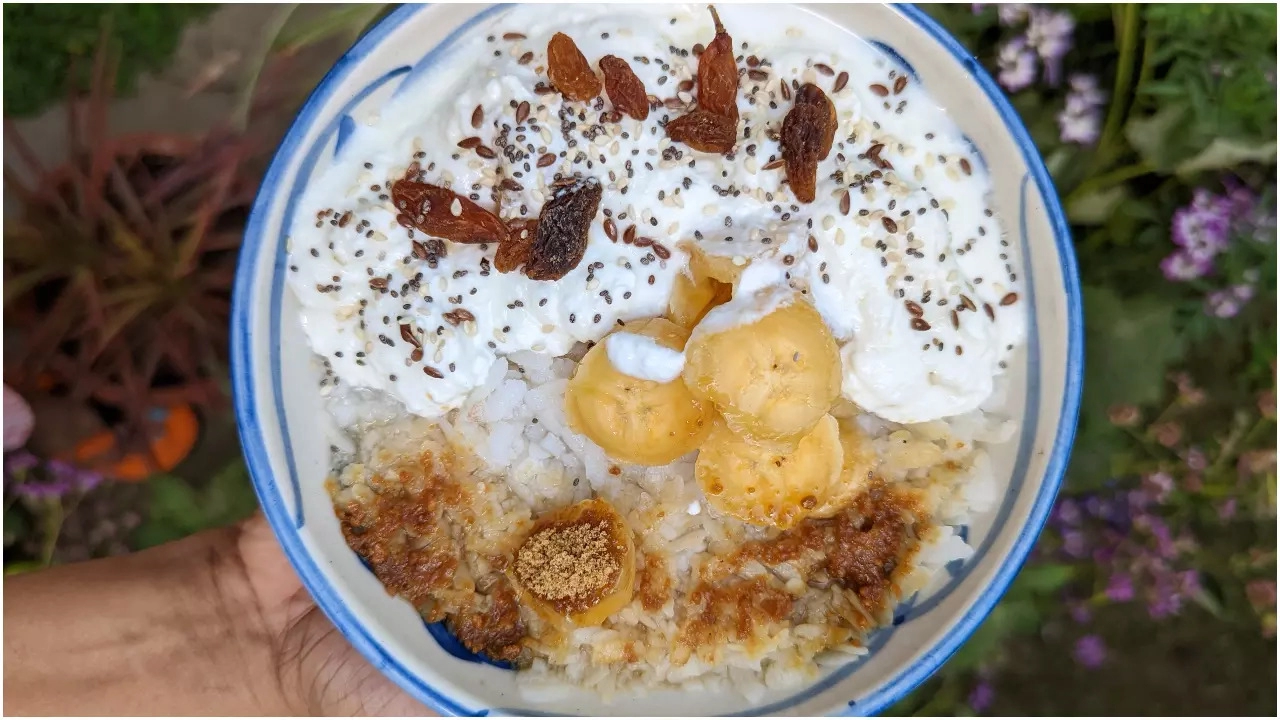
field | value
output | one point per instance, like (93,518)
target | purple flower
(66,474)
(1081,613)
(1165,600)
(1075,544)
(981,697)
(1196,460)
(1120,588)
(1227,303)
(1090,651)
(19,462)
(1017,64)
(1202,230)
(1011,14)
(1160,484)
(1049,33)
(18,420)
(1181,266)
(1080,121)
(1067,512)
(1227,509)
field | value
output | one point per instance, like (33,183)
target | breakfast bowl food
(657,359)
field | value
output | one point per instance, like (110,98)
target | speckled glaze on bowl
(284,429)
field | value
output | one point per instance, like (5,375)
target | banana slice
(855,472)
(768,363)
(578,564)
(634,420)
(693,295)
(761,485)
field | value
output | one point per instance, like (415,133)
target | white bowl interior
(286,432)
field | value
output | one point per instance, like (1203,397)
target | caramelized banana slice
(855,473)
(764,486)
(577,565)
(636,420)
(768,363)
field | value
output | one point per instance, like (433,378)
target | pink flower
(1181,266)
(18,420)
(1017,64)
(1090,651)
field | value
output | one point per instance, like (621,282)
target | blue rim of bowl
(332,604)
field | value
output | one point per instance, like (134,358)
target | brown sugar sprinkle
(920,324)
(570,565)
(1009,299)
(880,90)
(965,167)
(522,112)
(458,316)
(774,164)
(610,229)
(841,80)
(889,224)
(513,36)
(470,143)
(824,68)
(432,372)
(477,116)
(914,308)
(546,160)
(845,203)
(486,152)
(526,58)
(900,84)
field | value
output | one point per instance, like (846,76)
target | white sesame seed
(828,222)
(710,210)
(469,327)
(839,236)
(739,260)
(455,207)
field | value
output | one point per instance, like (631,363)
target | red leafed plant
(118,271)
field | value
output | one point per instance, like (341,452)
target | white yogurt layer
(904,278)
(642,357)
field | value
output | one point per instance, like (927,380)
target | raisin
(802,134)
(563,226)
(718,75)
(569,70)
(430,208)
(705,131)
(624,89)
(810,94)
(514,251)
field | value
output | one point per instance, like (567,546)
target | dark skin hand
(214,624)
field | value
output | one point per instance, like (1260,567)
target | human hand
(319,672)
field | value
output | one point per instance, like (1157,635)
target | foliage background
(1153,590)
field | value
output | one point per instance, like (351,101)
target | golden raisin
(569,70)
(718,75)
(705,131)
(625,90)
(562,230)
(802,134)
(810,94)
(514,251)
(441,212)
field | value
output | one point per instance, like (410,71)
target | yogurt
(903,258)
(642,357)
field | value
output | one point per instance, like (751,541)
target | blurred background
(135,137)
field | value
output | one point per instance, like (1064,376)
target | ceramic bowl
(285,434)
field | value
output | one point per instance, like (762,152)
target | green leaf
(1226,153)
(1152,136)
(1095,208)
(152,533)
(230,495)
(1128,344)
(174,503)
(1042,579)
